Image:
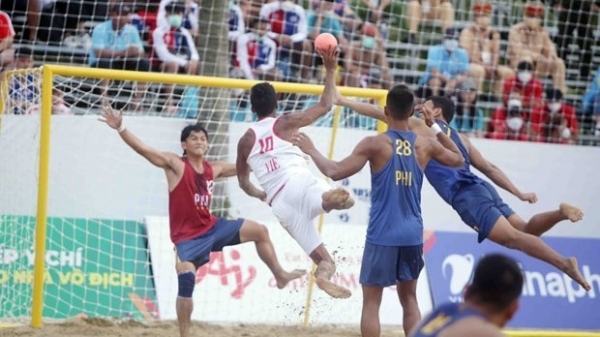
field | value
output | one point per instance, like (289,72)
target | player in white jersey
(293,192)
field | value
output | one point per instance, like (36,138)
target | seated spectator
(508,122)
(117,45)
(447,65)
(23,88)
(362,58)
(591,101)
(529,39)
(191,15)
(418,10)
(289,30)
(59,107)
(468,118)
(256,53)
(483,45)
(7,34)
(174,47)
(544,125)
(529,88)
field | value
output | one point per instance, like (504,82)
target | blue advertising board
(550,300)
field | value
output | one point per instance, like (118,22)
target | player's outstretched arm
(243,169)
(165,160)
(307,117)
(332,169)
(361,108)
(494,173)
(223,169)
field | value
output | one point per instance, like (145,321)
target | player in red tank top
(194,230)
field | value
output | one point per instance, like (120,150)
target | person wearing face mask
(529,39)
(362,56)
(174,48)
(447,65)
(190,15)
(508,121)
(529,88)
(256,53)
(482,42)
(557,118)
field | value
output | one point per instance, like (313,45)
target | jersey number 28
(403,147)
(266,144)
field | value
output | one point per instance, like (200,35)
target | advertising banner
(94,267)
(550,300)
(236,286)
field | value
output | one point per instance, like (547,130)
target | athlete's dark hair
(185,133)
(497,282)
(399,102)
(444,103)
(263,99)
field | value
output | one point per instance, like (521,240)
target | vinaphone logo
(458,269)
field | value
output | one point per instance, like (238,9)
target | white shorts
(297,204)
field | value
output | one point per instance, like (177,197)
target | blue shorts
(197,250)
(383,266)
(480,206)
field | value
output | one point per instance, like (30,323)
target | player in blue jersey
(477,202)
(490,301)
(393,252)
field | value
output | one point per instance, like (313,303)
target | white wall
(94,174)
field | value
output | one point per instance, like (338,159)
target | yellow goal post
(48,73)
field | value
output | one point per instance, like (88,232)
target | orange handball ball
(325,41)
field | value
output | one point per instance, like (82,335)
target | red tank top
(189,204)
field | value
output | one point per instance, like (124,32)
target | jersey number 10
(266,144)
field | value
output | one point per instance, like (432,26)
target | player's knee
(262,232)
(186,280)
(259,233)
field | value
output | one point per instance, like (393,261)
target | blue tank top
(447,180)
(395,216)
(442,317)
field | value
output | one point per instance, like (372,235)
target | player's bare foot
(286,277)
(571,212)
(332,289)
(572,271)
(337,198)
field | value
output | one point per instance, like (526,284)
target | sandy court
(99,327)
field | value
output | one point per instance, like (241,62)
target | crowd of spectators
(272,40)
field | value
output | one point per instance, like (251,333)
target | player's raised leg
(503,233)
(186,277)
(543,222)
(259,234)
